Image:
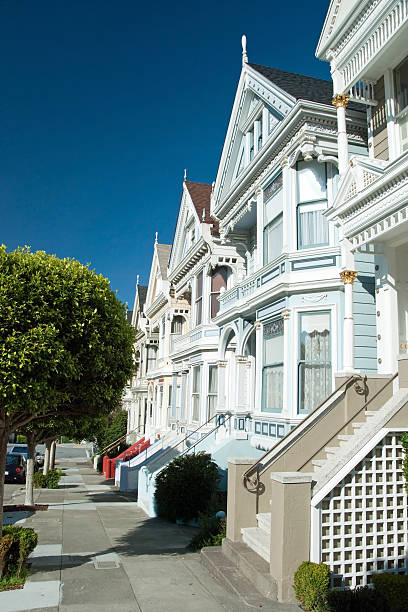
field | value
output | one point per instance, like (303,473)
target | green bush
(24,541)
(361,599)
(211,531)
(186,487)
(21,439)
(49,481)
(394,587)
(311,585)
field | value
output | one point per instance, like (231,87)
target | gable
(258,110)
(158,272)
(338,13)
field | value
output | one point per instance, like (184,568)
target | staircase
(259,538)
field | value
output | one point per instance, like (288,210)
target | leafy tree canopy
(65,345)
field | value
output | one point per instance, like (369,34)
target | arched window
(219,278)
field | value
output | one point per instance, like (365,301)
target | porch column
(258,366)
(183,396)
(242,372)
(259,228)
(174,414)
(286,204)
(348,277)
(221,400)
(286,360)
(340,101)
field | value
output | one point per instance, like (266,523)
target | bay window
(273,220)
(313,227)
(314,359)
(218,282)
(272,371)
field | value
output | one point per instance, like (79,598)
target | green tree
(66,349)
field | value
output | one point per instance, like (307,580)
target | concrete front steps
(241,571)
(259,538)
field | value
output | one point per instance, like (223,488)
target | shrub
(394,588)
(211,531)
(186,487)
(311,585)
(24,541)
(48,481)
(361,599)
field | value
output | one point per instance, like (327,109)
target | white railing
(392,22)
(363,91)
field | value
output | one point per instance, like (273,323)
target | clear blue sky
(104,103)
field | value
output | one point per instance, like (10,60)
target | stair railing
(188,436)
(118,441)
(251,477)
(208,433)
(364,407)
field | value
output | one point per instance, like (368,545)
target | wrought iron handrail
(118,441)
(208,433)
(364,407)
(252,474)
(170,448)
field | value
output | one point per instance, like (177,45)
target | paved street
(98,551)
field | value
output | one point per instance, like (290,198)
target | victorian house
(332,489)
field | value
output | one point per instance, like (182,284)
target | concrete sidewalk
(98,551)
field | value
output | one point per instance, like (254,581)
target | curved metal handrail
(118,441)
(364,407)
(208,433)
(251,476)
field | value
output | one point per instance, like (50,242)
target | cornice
(193,255)
(311,118)
(156,305)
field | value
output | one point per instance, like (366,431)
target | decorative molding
(314,299)
(340,100)
(348,276)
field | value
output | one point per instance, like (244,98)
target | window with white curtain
(272,371)
(212,390)
(195,394)
(313,227)
(314,359)
(151,357)
(273,219)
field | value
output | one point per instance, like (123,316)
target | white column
(242,381)
(265,124)
(259,228)
(340,101)
(348,277)
(256,135)
(392,126)
(167,335)
(258,366)
(287,364)
(247,147)
(286,205)
(221,400)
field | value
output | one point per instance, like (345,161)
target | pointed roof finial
(185,174)
(203,215)
(157,238)
(244,50)
(137,280)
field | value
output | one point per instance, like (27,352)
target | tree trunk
(52,454)
(29,497)
(47,458)
(4,434)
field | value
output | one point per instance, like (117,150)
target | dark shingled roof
(201,196)
(142,290)
(299,86)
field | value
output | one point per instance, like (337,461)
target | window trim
(300,314)
(265,366)
(195,393)
(211,394)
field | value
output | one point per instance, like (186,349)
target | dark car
(19,449)
(15,468)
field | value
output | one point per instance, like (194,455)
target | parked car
(19,449)
(16,468)
(39,458)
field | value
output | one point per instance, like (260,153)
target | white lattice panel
(364,520)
